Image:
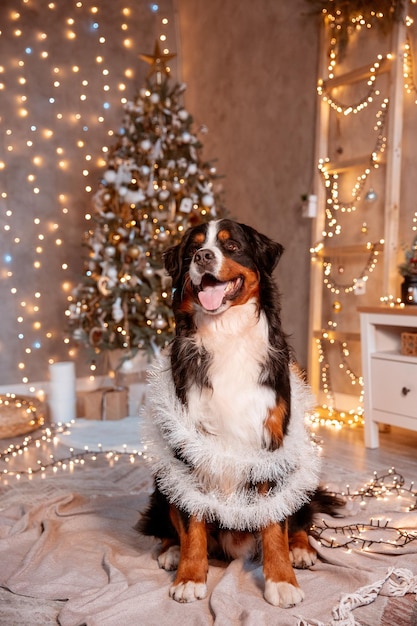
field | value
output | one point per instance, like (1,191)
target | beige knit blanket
(69,554)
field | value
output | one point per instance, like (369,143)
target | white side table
(390,378)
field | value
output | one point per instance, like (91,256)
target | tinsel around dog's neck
(192,482)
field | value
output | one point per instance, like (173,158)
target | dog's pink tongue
(212,297)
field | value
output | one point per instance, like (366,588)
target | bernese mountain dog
(235,471)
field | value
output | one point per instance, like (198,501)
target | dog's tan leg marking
(281,587)
(302,555)
(274,423)
(190,581)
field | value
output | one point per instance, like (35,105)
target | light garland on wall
(327,414)
(331,179)
(355,379)
(343,19)
(325,92)
(408,71)
(64,74)
(363,276)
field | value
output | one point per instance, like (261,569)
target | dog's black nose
(204,257)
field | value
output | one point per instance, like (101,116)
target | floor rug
(70,555)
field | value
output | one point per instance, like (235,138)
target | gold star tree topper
(157,61)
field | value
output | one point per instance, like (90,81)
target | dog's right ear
(172,262)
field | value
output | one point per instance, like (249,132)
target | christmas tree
(154,187)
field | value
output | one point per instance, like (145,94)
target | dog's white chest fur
(235,408)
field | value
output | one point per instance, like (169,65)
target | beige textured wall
(250,69)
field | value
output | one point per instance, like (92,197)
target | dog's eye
(231,245)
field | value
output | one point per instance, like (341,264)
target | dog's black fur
(244,260)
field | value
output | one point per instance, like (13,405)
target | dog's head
(220,264)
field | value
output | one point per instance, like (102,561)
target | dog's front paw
(188,592)
(282,594)
(303,558)
(170,558)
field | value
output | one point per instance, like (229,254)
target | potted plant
(408,270)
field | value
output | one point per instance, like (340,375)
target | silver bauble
(163,194)
(110,251)
(160,322)
(148,271)
(207,200)
(110,176)
(145,145)
(371,195)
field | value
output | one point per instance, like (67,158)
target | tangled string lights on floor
(363,536)
(378,532)
(367,536)
(391,483)
(50,457)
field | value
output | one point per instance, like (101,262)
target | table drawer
(394,386)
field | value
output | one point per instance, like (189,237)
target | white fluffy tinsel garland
(198,485)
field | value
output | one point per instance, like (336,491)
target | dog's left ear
(267,252)
(172,262)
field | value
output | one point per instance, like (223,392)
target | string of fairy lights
(54,458)
(378,532)
(66,69)
(49,458)
(333,271)
(336,286)
(326,93)
(331,179)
